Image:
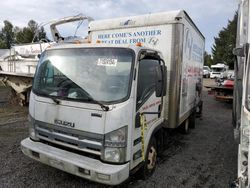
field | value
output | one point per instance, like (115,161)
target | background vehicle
(222,89)
(101,109)
(18,67)
(230,74)
(206,71)
(219,70)
(241,108)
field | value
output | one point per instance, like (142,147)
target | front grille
(80,140)
(72,150)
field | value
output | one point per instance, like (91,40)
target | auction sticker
(107,62)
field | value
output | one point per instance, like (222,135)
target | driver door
(147,104)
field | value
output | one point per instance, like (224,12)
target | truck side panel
(172,109)
(191,73)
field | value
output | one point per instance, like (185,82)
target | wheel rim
(151,158)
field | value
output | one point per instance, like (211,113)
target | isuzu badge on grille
(64,123)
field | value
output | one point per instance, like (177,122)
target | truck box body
(181,43)
(108,99)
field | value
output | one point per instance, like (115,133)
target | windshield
(205,68)
(102,74)
(217,69)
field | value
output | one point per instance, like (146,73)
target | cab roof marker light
(77,42)
(138,44)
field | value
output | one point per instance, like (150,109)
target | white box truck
(100,110)
(241,103)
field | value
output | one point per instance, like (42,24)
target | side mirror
(159,81)
(165,76)
(239,51)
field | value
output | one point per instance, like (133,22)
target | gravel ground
(206,157)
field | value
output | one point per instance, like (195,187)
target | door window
(146,79)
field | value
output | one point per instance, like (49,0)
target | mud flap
(199,109)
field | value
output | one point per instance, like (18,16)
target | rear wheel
(191,120)
(184,127)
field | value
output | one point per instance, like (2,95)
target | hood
(70,114)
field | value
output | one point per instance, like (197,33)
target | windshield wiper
(54,99)
(105,108)
(89,98)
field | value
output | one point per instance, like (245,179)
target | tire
(200,108)
(191,120)
(184,127)
(150,159)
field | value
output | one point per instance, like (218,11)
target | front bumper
(76,164)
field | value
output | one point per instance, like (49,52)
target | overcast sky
(209,15)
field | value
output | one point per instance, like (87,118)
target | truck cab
(86,99)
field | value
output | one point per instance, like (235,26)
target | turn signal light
(77,42)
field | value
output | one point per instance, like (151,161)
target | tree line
(10,35)
(224,45)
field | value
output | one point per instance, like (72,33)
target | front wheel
(150,159)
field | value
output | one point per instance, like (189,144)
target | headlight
(32,128)
(114,155)
(115,144)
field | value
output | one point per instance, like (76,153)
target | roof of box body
(142,20)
